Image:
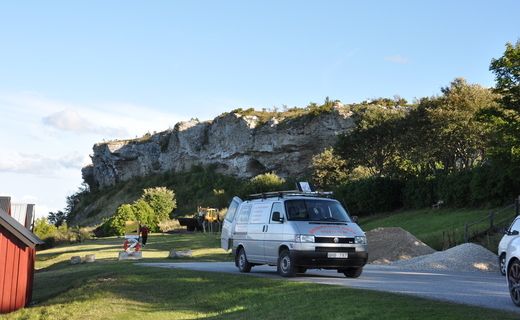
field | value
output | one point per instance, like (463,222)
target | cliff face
(238,145)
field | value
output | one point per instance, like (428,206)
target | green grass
(439,228)
(110,289)
(117,290)
(205,247)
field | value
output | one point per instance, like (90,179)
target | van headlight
(360,240)
(304,238)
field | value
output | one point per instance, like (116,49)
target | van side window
(231,211)
(243,216)
(277,207)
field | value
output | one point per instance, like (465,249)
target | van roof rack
(289,193)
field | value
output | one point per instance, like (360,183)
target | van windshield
(316,210)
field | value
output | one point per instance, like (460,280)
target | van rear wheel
(286,266)
(241,261)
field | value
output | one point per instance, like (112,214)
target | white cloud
(70,120)
(39,164)
(104,120)
(399,59)
(45,142)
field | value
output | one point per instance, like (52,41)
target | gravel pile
(464,257)
(386,245)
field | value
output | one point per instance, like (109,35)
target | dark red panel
(3,259)
(16,272)
(21,290)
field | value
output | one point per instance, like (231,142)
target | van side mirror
(513,233)
(355,219)
(277,217)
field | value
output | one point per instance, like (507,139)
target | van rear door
(226,237)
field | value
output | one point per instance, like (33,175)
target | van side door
(258,219)
(274,233)
(226,236)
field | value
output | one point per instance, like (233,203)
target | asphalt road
(474,288)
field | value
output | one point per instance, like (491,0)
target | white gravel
(464,257)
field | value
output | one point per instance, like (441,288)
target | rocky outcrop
(238,145)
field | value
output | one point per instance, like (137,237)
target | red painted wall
(16,272)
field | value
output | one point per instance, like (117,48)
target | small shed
(17,254)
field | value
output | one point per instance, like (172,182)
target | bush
(266,182)
(43,229)
(116,224)
(52,235)
(370,195)
(419,192)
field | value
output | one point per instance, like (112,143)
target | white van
(294,231)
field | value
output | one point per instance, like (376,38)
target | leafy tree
(374,143)
(507,76)
(161,200)
(145,214)
(57,218)
(444,133)
(505,122)
(329,169)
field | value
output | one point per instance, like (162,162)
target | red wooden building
(17,253)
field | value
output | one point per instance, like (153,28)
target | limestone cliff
(237,144)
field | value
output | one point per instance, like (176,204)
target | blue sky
(73,73)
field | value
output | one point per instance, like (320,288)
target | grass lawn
(439,228)
(108,289)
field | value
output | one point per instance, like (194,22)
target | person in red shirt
(144,234)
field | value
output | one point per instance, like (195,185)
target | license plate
(343,255)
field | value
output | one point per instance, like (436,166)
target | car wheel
(242,263)
(502,263)
(286,267)
(513,280)
(353,272)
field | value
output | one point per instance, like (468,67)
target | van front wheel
(286,266)
(242,263)
(352,272)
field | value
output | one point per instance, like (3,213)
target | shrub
(43,229)
(52,235)
(116,224)
(266,182)
(367,196)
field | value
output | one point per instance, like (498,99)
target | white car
(512,263)
(509,235)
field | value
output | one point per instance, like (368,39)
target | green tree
(43,229)
(329,169)
(116,224)
(444,132)
(162,200)
(145,214)
(265,183)
(505,121)
(374,143)
(57,218)
(507,76)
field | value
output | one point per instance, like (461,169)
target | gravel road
(485,289)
